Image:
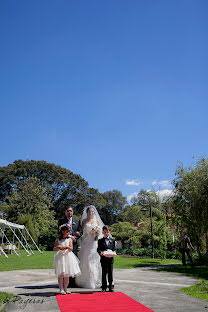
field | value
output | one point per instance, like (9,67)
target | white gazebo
(19,234)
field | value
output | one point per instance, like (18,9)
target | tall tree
(191,201)
(132,214)
(113,206)
(145,198)
(29,200)
(60,184)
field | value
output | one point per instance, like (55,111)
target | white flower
(95,230)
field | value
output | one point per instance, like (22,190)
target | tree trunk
(206,240)
(198,248)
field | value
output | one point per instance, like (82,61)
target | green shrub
(47,241)
(203,260)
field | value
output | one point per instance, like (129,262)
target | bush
(47,241)
(203,260)
(170,254)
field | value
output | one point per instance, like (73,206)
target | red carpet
(97,302)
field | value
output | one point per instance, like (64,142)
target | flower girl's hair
(63,227)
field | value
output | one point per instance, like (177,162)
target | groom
(74,224)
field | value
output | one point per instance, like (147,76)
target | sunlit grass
(24,262)
(200,290)
(5,298)
(45,261)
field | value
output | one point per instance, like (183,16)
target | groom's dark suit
(76,227)
(106,263)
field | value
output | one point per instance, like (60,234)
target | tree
(190,201)
(114,203)
(144,198)
(132,214)
(29,200)
(27,221)
(63,186)
(123,231)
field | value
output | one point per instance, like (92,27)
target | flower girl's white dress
(65,261)
(89,260)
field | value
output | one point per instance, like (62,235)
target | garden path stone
(157,290)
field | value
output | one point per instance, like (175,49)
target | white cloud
(163,183)
(164,193)
(133,182)
(129,198)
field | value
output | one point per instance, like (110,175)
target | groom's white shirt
(107,240)
(70,222)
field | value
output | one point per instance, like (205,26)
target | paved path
(157,290)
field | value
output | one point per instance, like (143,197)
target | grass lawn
(199,290)
(45,261)
(5,298)
(24,262)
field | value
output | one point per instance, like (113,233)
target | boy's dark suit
(76,227)
(106,263)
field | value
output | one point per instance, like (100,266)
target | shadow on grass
(197,271)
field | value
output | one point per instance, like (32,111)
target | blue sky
(115,91)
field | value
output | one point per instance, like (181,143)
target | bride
(89,258)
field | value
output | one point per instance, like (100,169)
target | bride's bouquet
(95,231)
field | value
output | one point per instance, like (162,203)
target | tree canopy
(60,184)
(114,203)
(190,201)
(144,198)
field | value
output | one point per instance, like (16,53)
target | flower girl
(65,262)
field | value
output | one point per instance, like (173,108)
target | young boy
(107,242)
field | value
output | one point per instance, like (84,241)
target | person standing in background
(184,247)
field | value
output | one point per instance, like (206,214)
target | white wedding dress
(89,260)
(65,261)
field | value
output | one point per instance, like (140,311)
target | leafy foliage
(28,204)
(132,214)
(61,185)
(144,198)
(122,231)
(190,202)
(114,203)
